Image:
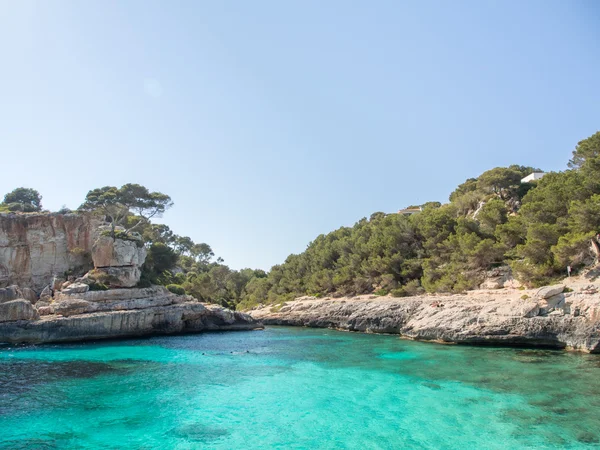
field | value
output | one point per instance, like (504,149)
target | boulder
(73,307)
(46,310)
(29,294)
(57,283)
(9,293)
(109,252)
(15,292)
(492,283)
(17,310)
(549,291)
(46,293)
(550,304)
(75,288)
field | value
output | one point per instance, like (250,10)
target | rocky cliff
(36,247)
(47,296)
(74,315)
(546,317)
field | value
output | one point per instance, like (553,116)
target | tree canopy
(23,199)
(119,203)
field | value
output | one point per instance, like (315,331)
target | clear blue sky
(271,122)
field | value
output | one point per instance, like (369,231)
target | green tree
(117,204)
(23,199)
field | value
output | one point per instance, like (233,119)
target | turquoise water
(295,388)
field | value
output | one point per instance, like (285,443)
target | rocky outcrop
(15,292)
(18,310)
(118,261)
(562,320)
(36,247)
(75,316)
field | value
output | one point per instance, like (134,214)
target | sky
(271,122)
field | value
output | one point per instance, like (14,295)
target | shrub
(98,287)
(144,283)
(400,292)
(381,292)
(176,289)
(524,297)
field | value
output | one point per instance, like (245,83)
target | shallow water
(295,388)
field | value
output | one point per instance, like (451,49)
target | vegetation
(131,199)
(536,228)
(22,200)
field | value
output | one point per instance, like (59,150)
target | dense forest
(536,228)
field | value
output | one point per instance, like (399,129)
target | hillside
(533,229)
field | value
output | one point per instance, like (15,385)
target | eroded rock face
(35,247)
(570,320)
(114,313)
(17,310)
(15,292)
(120,260)
(109,252)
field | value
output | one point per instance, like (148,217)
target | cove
(295,388)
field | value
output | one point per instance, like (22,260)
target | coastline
(545,317)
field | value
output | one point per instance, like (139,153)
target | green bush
(176,289)
(381,292)
(400,292)
(144,282)
(98,287)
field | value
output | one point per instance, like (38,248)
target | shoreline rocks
(117,313)
(562,320)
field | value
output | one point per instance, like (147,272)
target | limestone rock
(46,294)
(75,288)
(121,313)
(492,283)
(29,294)
(109,252)
(570,320)
(35,247)
(15,292)
(120,277)
(9,293)
(549,291)
(17,310)
(57,283)
(73,307)
(45,310)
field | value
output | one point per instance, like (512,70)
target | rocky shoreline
(69,278)
(546,317)
(115,313)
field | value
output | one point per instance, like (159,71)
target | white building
(533,177)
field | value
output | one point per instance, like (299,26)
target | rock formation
(36,247)
(545,317)
(49,253)
(120,260)
(74,316)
